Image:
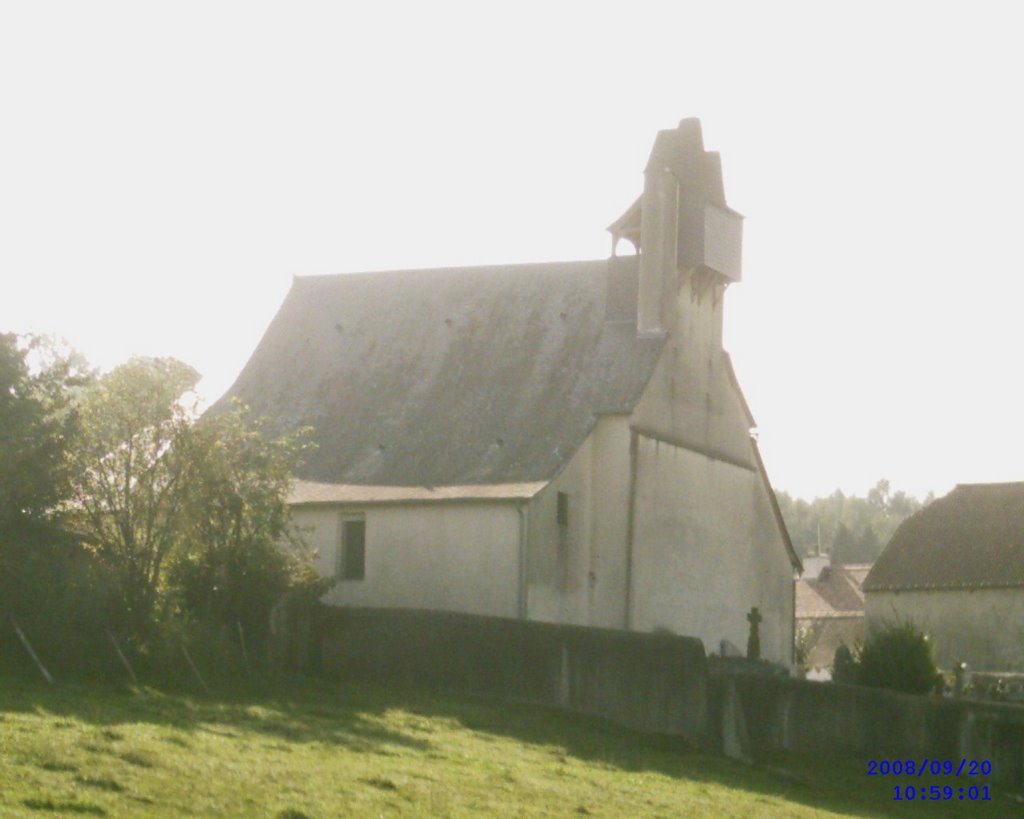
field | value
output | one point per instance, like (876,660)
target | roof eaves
(731,372)
(794,558)
(942,587)
(313,493)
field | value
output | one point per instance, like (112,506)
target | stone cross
(754,639)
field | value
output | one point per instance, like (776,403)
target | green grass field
(319,749)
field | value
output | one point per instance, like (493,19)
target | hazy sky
(166,168)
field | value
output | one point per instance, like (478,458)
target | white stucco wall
(984,628)
(706,544)
(583,580)
(690,399)
(706,549)
(444,556)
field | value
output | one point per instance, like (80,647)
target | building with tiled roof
(830,611)
(560,441)
(956,569)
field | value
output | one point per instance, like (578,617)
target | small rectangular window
(352,554)
(563,509)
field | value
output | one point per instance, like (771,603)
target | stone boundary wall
(662,683)
(650,682)
(761,713)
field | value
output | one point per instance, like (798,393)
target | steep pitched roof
(794,558)
(465,376)
(830,608)
(973,538)
(835,593)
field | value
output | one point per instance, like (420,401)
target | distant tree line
(128,520)
(849,528)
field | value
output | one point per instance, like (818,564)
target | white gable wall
(706,544)
(459,556)
(706,549)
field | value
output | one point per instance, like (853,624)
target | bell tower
(681,226)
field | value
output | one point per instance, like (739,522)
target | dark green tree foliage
(35,427)
(120,511)
(853,529)
(47,581)
(898,656)
(844,666)
(231,567)
(842,543)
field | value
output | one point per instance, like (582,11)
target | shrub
(898,656)
(844,666)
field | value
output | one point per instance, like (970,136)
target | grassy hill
(320,749)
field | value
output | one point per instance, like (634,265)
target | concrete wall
(867,723)
(650,682)
(706,549)
(447,556)
(984,628)
(663,684)
(578,574)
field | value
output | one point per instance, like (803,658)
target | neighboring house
(562,442)
(830,611)
(956,569)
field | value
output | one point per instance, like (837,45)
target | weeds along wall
(650,682)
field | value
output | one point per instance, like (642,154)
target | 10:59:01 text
(942,793)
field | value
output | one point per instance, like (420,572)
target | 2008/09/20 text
(932,767)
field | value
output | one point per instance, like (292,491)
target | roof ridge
(990,485)
(478,268)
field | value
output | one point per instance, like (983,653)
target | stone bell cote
(680,225)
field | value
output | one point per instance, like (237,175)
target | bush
(898,656)
(844,666)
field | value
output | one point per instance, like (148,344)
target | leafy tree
(36,425)
(47,582)
(878,495)
(803,642)
(128,479)
(855,529)
(188,515)
(231,567)
(898,656)
(842,543)
(867,546)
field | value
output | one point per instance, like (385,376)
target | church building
(561,442)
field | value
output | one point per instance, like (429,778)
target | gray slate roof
(973,538)
(454,376)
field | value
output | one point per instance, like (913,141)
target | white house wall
(707,548)
(443,556)
(579,576)
(610,500)
(984,627)
(558,558)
